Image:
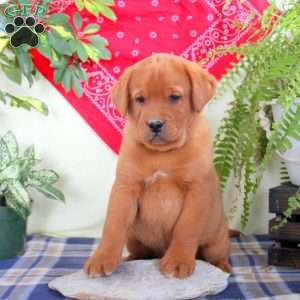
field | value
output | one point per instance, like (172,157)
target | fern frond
(293,205)
(283,131)
(268,69)
(284,175)
(228,141)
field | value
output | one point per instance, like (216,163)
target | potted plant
(243,147)
(67,42)
(18,175)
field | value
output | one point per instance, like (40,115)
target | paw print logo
(24,31)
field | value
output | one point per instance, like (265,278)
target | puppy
(165,202)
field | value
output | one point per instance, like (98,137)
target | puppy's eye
(174,98)
(140,99)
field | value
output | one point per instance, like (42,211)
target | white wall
(86,164)
(68,145)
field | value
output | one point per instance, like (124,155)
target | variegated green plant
(66,42)
(12,65)
(18,174)
(97,7)
(27,103)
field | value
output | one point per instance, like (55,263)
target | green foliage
(27,103)
(18,175)
(270,69)
(293,204)
(67,43)
(284,176)
(67,49)
(15,63)
(97,7)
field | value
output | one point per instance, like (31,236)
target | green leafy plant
(269,69)
(66,43)
(27,103)
(18,174)
(97,7)
(14,63)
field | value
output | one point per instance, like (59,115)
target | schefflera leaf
(97,7)
(77,20)
(29,103)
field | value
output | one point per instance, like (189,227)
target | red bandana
(190,28)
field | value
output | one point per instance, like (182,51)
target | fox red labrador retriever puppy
(165,202)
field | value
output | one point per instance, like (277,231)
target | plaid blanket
(48,257)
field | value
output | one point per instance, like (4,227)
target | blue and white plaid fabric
(47,258)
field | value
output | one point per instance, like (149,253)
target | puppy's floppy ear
(203,85)
(120,93)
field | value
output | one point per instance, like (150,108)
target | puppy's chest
(161,168)
(162,194)
(160,204)
(155,176)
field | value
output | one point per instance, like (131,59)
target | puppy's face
(160,95)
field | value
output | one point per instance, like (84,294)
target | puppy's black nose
(155,125)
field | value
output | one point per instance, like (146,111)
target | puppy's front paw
(101,264)
(177,266)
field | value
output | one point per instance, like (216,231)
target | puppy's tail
(234,233)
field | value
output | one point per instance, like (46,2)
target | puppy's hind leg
(137,250)
(217,253)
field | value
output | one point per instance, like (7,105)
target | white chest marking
(155,176)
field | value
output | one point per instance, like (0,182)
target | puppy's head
(160,95)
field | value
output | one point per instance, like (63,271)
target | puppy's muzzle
(156,126)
